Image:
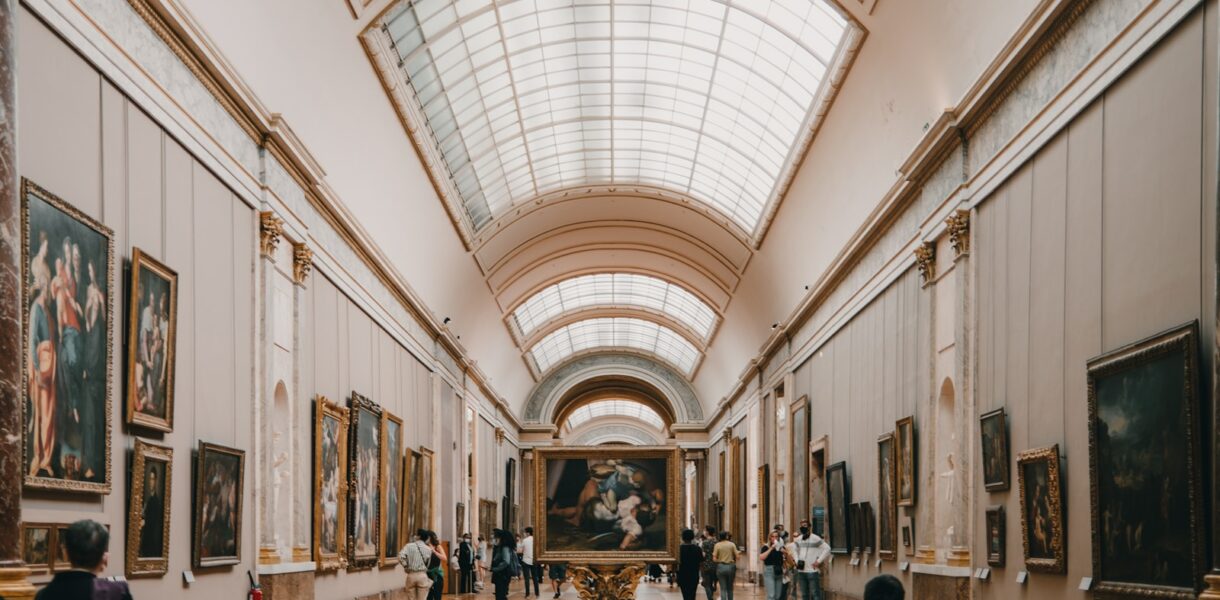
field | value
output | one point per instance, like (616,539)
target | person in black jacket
(465,556)
(690,558)
(88,543)
(502,562)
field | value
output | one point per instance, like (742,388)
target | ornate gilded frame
(1003,484)
(60,530)
(28,189)
(904,435)
(205,449)
(799,451)
(887,549)
(137,565)
(356,406)
(840,541)
(1058,562)
(38,567)
(325,409)
(140,259)
(673,502)
(996,514)
(424,509)
(764,502)
(410,512)
(1185,339)
(390,459)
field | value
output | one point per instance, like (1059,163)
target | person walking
(690,562)
(480,562)
(810,552)
(436,570)
(773,565)
(465,559)
(708,568)
(414,558)
(559,574)
(88,544)
(502,562)
(529,571)
(724,553)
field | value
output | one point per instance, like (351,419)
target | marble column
(14,581)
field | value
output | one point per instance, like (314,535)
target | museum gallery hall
(403,299)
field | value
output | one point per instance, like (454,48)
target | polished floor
(646,591)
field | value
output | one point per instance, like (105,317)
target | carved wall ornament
(271,229)
(925,259)
(499,436)
(958,226)
(302,262)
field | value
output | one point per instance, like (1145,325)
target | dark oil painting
(607,504)
(839,496)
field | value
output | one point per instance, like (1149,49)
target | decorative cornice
(958,228)
(271,229)
(925,260)
(302,262)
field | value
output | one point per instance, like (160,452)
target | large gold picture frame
(905,461)
(139,512)
(672,503)
(48,221)
(364,483)
(1042,532)
(147,273)
(330,485)
(410,511)
(392,485)
(38,546)
(425,481)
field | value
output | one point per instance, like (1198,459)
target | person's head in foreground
(883,587)
(688,536)
(88,545)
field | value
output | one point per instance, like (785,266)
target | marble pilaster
(14,581)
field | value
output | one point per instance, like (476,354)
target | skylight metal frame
(623,408)
(382,52)
(614,334)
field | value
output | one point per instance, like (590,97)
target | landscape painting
(67,283)
(606,503)
(1145,466)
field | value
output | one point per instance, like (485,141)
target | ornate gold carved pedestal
(1212,591)
(606,582)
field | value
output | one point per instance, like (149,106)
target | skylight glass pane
(615,332)
(615,408)
(707,98)
(615,290)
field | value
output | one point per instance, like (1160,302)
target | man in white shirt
(414,558)
(529,571)
(810,552)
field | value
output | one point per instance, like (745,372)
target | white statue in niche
(948,479)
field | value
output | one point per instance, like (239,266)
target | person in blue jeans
(810,552)
(773,565)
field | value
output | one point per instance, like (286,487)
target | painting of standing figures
(1042,510)
(67,285)
(218,497)
(603,503)
(887,521)
(152,323)
(364,482)
(1145,467)
(330,469)
(391,497)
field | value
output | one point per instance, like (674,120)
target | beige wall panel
(1017,208)
(326,338)
(1152,216)
(982,259)
(387,376)
(214,302)
(1048,234)
(360,352)
(114,161)
(59,124)
(423,406)
(245,232)
(145,172)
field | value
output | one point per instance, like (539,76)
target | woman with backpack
(503,558)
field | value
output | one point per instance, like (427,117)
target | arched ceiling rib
(710,98)
(645,336)
(615,407)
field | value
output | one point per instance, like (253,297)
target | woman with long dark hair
(690,558)
(502,562)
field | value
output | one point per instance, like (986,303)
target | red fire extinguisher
(256,591)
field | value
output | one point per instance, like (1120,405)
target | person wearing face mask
(465,556)
(810,552)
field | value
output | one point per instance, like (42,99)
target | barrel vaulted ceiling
(612,165)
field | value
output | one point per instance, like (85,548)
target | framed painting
(887,520)
(868,521)
(904,461)
(148,511)
(838,492)
(764,502)
(152,318)
(68,310)
(856,517)
(993,430)
(995,535)
(363,483)
(510,495)
(391,489)
(800,458)
(906,536)
(608,504)
(424,485)
(410,512)
(817,484)
(330,485)
(61,561)
(1145,468)
(37,543)
(220,476)
(487,519)
(1042,532)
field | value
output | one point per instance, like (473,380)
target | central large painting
(608,504)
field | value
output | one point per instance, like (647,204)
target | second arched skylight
(615,333)
(615,408)
(615,290)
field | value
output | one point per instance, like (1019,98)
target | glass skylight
(615,408)
(615,332)
(710,98)
(615,289)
